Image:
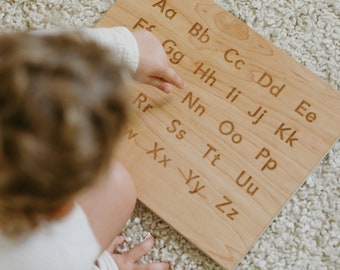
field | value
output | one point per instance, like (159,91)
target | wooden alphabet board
(219,159)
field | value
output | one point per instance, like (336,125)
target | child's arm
(141,51)
(120,41)
(153,65)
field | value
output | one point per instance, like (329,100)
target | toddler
(63,197)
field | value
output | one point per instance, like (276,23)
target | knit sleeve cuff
(106,262)
(120,41)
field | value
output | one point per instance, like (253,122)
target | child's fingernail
(167,88)
(182,84)
(148,235)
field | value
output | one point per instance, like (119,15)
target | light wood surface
(219,159)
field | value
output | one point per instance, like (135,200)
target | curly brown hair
(61,112)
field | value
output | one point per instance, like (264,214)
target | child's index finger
(173,78)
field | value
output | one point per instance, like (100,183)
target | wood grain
(219,159)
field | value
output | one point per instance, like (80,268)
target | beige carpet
(306,234)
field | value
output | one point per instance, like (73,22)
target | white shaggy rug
(306,234)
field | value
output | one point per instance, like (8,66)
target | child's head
(61,110)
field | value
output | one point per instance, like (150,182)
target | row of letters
(231,56)
(226,128)
(194,181)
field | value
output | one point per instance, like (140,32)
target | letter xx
(155,151)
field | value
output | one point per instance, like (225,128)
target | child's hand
(128,260)
(153,65)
